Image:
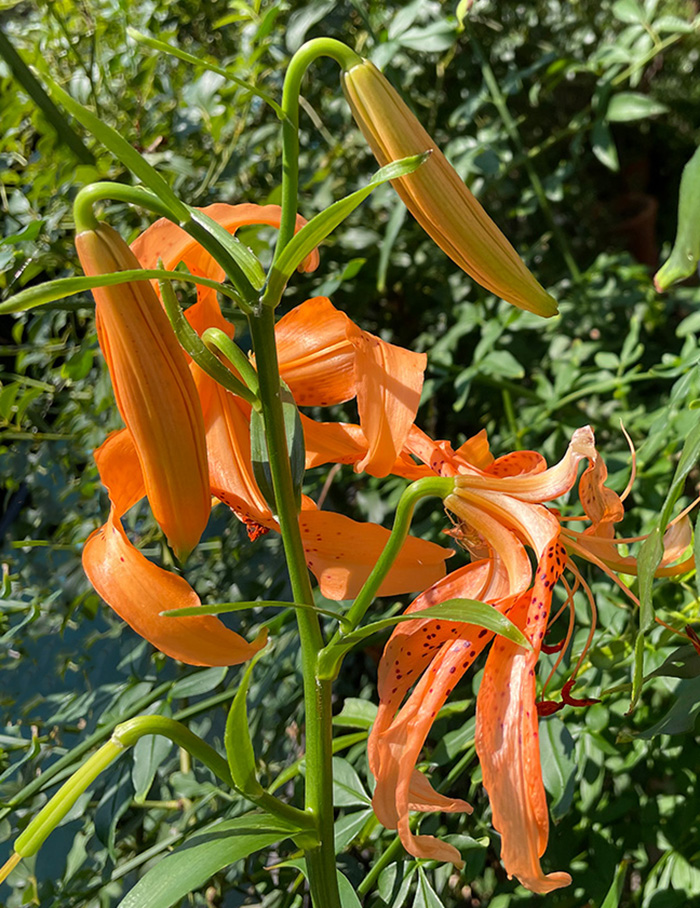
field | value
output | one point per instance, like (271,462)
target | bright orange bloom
(500,515)
(154,390)
(436,196)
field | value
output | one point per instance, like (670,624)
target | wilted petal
(436,196)
(138,591)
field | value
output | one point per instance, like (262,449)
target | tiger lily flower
(500,514)
(324,358)
(436,196)
(499,509)
(154,390)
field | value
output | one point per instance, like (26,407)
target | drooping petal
(441,651)
(139,590)
(120,470)
(342,552)
(507,735)
(332,442)
(436,196)
(154,390)
(389,382)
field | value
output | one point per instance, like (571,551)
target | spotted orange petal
(507,735)
(342,552)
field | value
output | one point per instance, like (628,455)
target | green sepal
(239,747)
(685,254)
(308,238)
(295,446)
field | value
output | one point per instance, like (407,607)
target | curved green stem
(196,347)
(431,487)
(210,235)
(330,658)
(317,694)
(124,736)
(300,62)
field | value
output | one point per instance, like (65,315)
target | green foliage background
(582,141)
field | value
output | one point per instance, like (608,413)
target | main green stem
(317,694)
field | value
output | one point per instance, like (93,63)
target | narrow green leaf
(426,896)
(638,672)
(222,608)
(612,899)
(686,249)
(627,106)
(166,48)
(122,150)
(242,256)
(204,854)
(239,747)
(319,227)
(470,611)
(35,90)
(62,287)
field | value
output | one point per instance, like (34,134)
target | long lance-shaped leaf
(320,226)
(469,611)
(243,268)
(62,287)
(686,249)
(35,90)
(239,747)
(204,854)
(166,48)
(222,608)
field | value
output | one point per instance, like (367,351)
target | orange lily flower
(154,390)
(436,196)
(500,512)
(326,359)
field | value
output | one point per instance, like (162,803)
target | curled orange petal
(139,591)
